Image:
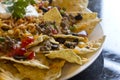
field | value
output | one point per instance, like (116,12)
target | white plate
(71,70)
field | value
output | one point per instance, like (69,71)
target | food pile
(37,38)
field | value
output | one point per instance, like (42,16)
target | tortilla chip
(88,26)
(30,72)
(84,60)
(84,50)
(65,54)
(5,75)
(38,40)
(84,3)
(33,62)
(41,74)
(89,15)
(55,69)
(53,15)
(93,47)
(52,40)
(69,37)
(42,58)
(7,66)
(71,5)
(88,23)
(91,25)
(8,71)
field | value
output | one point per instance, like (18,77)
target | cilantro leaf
(18,8)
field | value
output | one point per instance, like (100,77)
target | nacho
(71,5)
(53,15)
(55,69)
(38,39)
(5,75)
(33,63)
(88,23)
(8,71)
(86,15)
(52,74)
(70,37)
(88,26)
(67,55)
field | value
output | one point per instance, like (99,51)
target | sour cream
(3,13)
(31,11)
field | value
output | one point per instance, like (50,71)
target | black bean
(18,57)
(76,41)
(60,40)
(75,34)
(44,9)
(70,45)
(78,17)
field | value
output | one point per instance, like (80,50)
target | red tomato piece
(27,41)
(31,55)
(17,51)
(20,51)
(54,31)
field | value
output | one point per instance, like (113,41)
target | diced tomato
(20,51)
(31,55)
(27,41)
(54,31)
(17,51)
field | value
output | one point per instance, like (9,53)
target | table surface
(109,12)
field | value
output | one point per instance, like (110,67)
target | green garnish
(2,39)
(18,8)
(72,28)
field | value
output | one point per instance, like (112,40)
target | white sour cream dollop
(31,11)
(3,13)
